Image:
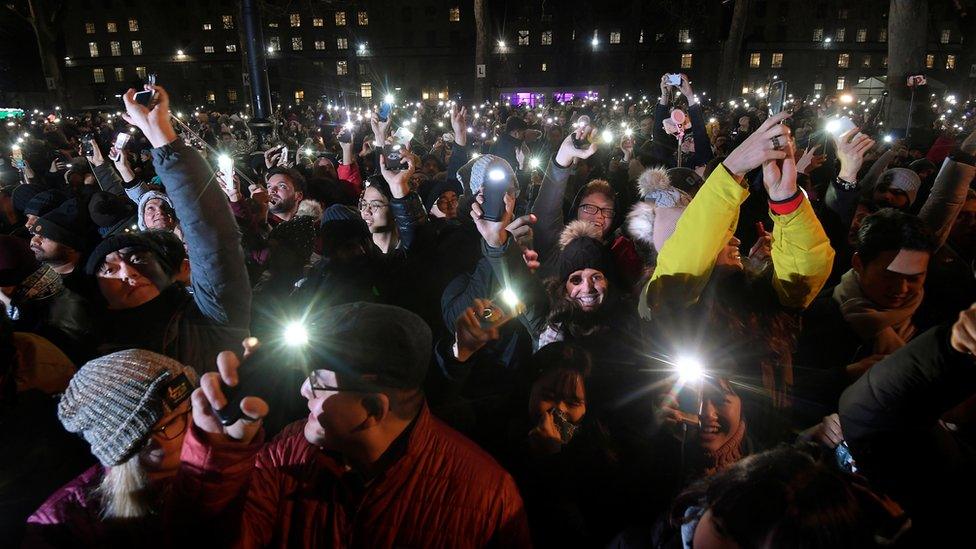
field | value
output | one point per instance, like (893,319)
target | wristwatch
(846,185)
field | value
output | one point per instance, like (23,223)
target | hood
(146,197)
(618,213)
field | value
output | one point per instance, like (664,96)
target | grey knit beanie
(115,400)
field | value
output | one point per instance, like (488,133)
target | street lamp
(501,44)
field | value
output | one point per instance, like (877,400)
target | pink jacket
(444,491)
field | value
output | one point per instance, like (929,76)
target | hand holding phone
(674,79)
(226,388)
(18,157)
(226,166)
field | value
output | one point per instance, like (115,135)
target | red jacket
(444,491)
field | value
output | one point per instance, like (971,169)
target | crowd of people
(644,322)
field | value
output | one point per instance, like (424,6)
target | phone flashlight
(226,166)
(533,163)
(888,139)
(607,136)
(295,334)
(689,369)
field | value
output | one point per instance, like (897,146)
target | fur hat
(653,220)
(582,249)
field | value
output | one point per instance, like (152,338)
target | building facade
(364,49)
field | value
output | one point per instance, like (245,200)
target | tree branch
(18,13)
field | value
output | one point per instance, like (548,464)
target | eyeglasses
(174,427)
(590,209)
(317,385)
(443,202)
(371,206)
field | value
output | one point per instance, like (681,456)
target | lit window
(98,75)
(454,15)
(299,96)
(777,61)
(137,47)
(843,60)
(615,37)
(686,60)
(228,22)
(119,74)
(547,38)
(340,18)
(755,59)
(342,43)
(929,61)
(818,86)
(866,62)
(231,95)
(231,47)
(640,39)
(883,35)
(318,22)
(523,38)
(115,48)
(275,43)
(133,25)
(545,67)
(93,49)
(818,35)
(366,90)
(111,26)
(683,35)
(211,96)
(295,20)
(141,72)
(362,18)
(89,28)
(862,35)
(342,68)
(840,82)
(320,44)
(840,35)
(296,43)
(208,49)
(950,62)
(944,36)
(207,26)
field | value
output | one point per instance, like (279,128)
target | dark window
(406,15)
(431,39)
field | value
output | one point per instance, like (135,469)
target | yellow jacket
(802,256)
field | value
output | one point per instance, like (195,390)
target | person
(673,153)
(35,297)
(909,413)
(156,212)
(391,210)
(442,199)
(145,307)
(133,408)
(286,190)
(388,472)
(60,240)
(510,141)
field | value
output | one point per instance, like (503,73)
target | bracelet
(846,185)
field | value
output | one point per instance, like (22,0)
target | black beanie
(115,243)
(582,249)
(44,202)
(64,225)
(108,210)
(22,195)
(439,188)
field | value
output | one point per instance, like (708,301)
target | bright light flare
(689,369)
(295,334)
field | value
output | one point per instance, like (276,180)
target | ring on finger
(776,143)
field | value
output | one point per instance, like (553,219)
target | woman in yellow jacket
(700,298)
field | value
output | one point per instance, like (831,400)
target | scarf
(887,330)
(42,283)
(727,454)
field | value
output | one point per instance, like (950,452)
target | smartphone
(584,142)
(345,134)
(393,157)
(18,157)
(87,147)
(674,80)
(145,97)
(777,97)
(121,140)
(840,126)
(496,185)
(254,378)
(226,165)
(403,136)
(284,153)
(385,110)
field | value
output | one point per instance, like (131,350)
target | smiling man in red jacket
(370,467)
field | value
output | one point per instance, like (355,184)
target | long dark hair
(573,321)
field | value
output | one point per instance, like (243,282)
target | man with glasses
(370,466)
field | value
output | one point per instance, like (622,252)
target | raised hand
(459,122)
(95,157)
(209,397)
(568,152)
(469,335)
(381,129)
(963,338)
(779,176)
(851,147)
(399,181)
(494,232)
(759,147)
(810,160)
(155,122)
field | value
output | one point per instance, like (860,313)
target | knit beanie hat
(64,225)
(653,220)
(111,212)
(145,198)
(118,242)
(582,249)
(339,212)
(116,400)
(902,179)
(45,201)
(439,188)
(17,261)
(473,175)
(22,195)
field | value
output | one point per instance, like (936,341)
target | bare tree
(728,75)
(42,15)
(907,34)
(481,54)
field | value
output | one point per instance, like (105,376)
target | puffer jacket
(443,491)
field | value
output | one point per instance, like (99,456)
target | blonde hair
(124,491)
